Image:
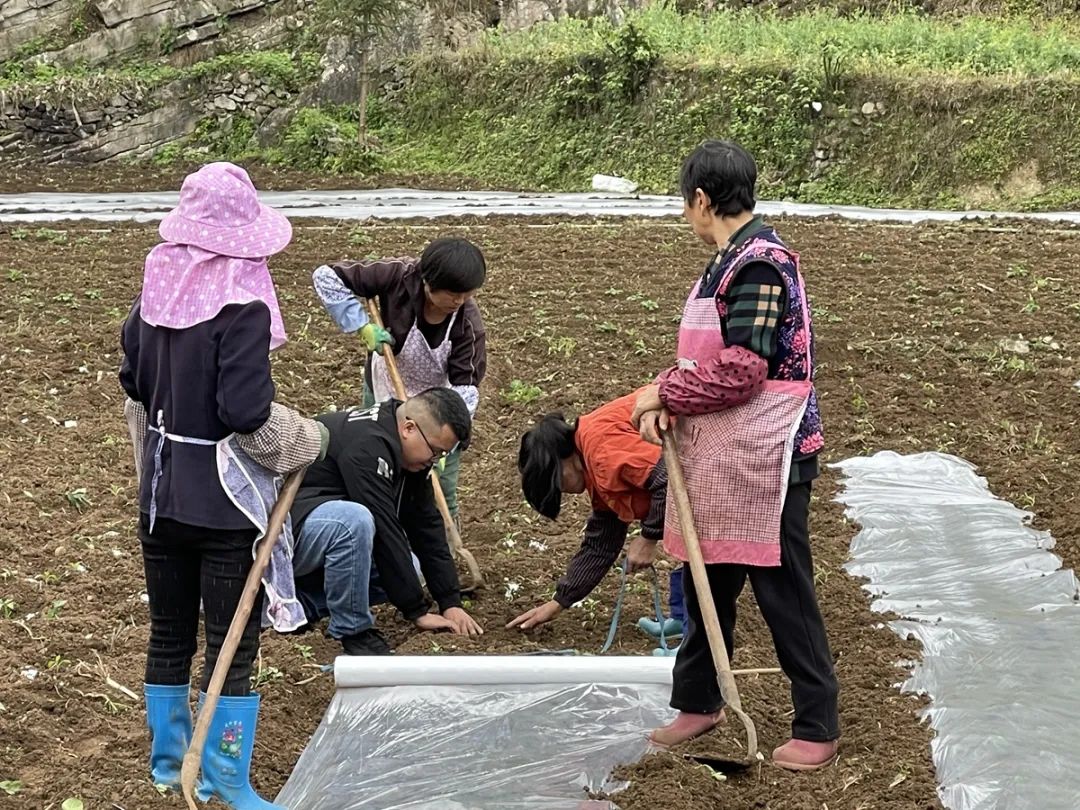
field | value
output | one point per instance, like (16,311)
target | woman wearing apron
(432,322)
(196,370)
(749,434)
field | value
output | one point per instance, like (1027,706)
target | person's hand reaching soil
(433,622)
(464,624)
(537,616)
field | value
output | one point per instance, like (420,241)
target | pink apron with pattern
(736,461)
(421,366)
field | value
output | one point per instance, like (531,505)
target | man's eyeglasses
(436,454)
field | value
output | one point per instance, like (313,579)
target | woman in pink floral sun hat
(196,369)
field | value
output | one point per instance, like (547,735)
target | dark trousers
(183,565)
(789,606)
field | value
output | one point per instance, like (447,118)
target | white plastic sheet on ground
(396,203)
(998,619)
(479,732)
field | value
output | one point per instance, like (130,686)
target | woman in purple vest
(749,435)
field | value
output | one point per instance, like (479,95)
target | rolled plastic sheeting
(352,671)
(413,203)
(998,618)
(478,732)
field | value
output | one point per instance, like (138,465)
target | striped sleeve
(604,538)
(755,307)
(652,527)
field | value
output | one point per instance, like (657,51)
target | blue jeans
(337,538)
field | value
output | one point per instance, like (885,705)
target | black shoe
(366,642)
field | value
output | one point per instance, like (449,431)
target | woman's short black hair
(726,172)
(452,264)
(540,462)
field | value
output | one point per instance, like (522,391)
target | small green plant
(361,237)
(57,662)
(821,575)
(7,607)
(589,605)
(20,234)
(650,305)
(305,651)
(93,295)
(11,786)
(15,275)
(53,610)
(521,393)
(265,675)
(562,345)
(51,235)
(78,498)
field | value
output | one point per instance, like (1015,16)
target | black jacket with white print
(363,465)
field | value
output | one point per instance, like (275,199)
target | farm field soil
(911,323)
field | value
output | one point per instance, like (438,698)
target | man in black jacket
(370,501)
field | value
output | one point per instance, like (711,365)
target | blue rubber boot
(672,627)
(226,760)
(670,652)
(168,715)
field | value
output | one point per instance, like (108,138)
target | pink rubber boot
(685,726)
(804,755)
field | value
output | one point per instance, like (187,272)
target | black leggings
(785,595)
(183,565)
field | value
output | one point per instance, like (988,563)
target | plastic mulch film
(397,203)
(478,733)
(998,618)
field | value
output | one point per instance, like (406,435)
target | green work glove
(374,337)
